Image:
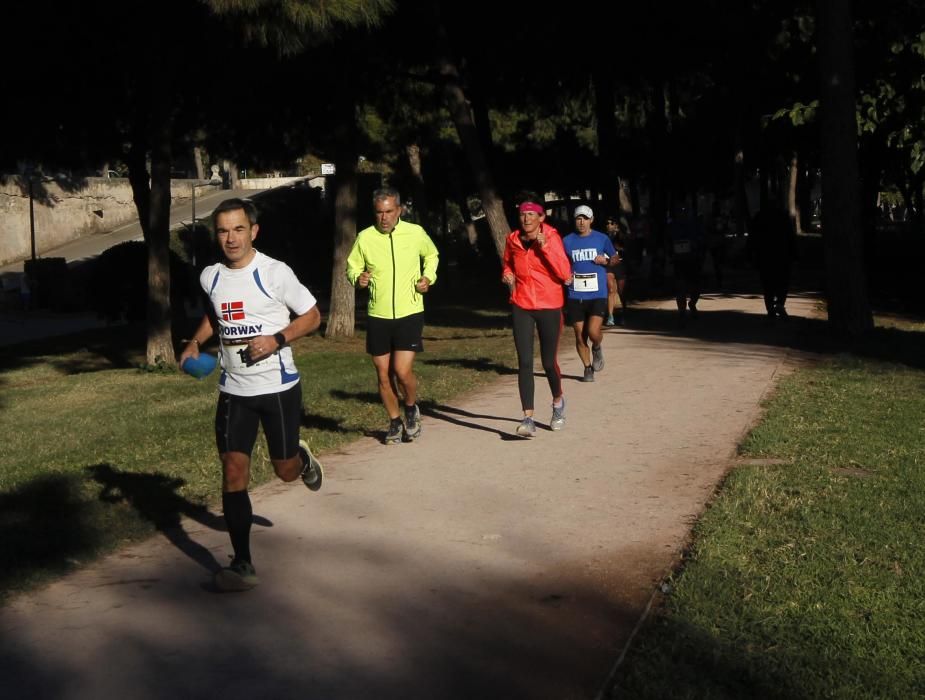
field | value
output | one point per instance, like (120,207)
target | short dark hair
(386,193)
(233,204)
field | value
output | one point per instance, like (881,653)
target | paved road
(91,246)
(18,326)
(470,564)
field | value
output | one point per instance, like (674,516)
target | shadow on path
(155,498)
(442,412)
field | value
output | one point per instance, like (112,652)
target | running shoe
(558,416)
(412,423)
(610,321)
(597,353)
(781,311)
(312,471)
(693,308)
(527,427)
(394,433)
(589,374)
(240,576)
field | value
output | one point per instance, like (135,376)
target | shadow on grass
(114,347)
(361,396)
(480,364)
(316,421)
(457,316)
(764,659)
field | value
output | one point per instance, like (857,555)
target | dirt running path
(470,564)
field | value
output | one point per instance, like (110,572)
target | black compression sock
(238,517)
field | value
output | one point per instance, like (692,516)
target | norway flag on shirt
(233,310)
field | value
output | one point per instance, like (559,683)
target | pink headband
(531,206)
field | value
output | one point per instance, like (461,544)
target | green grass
(98,453)
(807,579)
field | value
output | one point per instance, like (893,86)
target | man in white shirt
(258,307)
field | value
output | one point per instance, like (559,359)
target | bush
(118,283)
(50,283)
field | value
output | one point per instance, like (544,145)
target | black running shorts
(580,310)
(280,414)
(383,335)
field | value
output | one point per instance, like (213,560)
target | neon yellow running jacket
(396,261)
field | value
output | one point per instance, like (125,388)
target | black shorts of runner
(618,271)
(383,335)
(580,310)
(280,414)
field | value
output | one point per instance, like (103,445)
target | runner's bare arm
(204,331)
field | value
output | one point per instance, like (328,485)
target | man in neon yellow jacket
(397,262)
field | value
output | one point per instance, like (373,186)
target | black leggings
(548,324)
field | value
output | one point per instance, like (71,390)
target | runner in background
(591,253)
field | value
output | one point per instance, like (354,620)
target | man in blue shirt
(591,253)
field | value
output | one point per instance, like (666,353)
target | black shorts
(280,414)
(618,271)
(383,335)
(580,310)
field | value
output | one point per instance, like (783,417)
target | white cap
(584,210)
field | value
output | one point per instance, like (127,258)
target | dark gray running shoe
(240,576)
(394,433)
(312,471)
(558,416)
(589,374)
(527,427)
(597,353)
(413,425)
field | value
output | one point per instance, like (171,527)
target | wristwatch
(280,339)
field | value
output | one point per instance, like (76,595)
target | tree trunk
(424,216)
(231,174)
(342,313)
(605,108)
(492,204)
(848,306)
(197,159)
(742,213)
(160,350)
(792,204)
(624,197)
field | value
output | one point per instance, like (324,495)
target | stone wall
(65,210)
(266,183)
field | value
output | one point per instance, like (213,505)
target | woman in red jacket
(535,267)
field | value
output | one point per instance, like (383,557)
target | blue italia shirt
(581,251)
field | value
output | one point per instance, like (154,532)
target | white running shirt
(250,301)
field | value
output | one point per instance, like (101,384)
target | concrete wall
(266,183)
(65,210)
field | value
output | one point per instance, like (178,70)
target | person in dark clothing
(772,248)
(685,240)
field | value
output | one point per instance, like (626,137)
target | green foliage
(799,113)
(292,26)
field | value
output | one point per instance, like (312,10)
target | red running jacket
(539,273)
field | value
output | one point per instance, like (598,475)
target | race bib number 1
(585,282)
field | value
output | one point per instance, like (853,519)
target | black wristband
(280,339)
